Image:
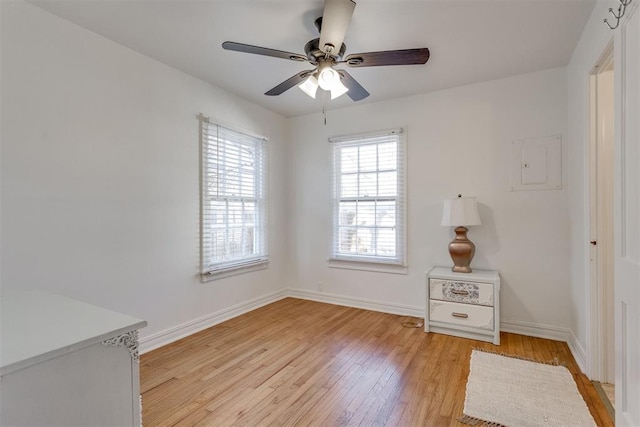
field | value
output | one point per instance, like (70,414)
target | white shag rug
(508,391)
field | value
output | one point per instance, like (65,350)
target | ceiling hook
(606,21)
(618,16)
(620,13)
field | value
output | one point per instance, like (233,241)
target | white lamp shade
(328,78)
(460,212)
(309,86)
(338,90)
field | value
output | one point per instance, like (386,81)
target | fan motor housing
(314,53)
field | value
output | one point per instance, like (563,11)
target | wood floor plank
(298,362)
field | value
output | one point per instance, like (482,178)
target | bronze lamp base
(461,250)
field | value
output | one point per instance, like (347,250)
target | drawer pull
(460,315)
(459,292)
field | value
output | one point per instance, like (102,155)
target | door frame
(599,311)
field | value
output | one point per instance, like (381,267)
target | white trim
(537,330)
(202,118)
(596,363)
(578,352)
(175,333)
(549,332)
(358,263)
(233,270)
(365,135)
(366,304)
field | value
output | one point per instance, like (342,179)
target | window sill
(377,267)
(234,270)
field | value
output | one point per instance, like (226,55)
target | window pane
(347,240)
(368,158)
(248,241)
(212,182)
(247,172)
(387,185)
(386,214)
(349,185)
(234,214)
(365,241)
(249,214)
(368,185)
(347,214)
(218,245)
(217,212)
(386,242)
(349,159)
(240,242)
(387,156)
(366,215)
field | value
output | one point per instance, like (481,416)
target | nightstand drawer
(459,291)
(474,316)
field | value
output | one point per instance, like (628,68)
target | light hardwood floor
(298,362)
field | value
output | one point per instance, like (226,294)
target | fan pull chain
(324,106)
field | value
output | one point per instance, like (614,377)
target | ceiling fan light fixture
(338,89)
(328,78)
(309,86)
(327,52)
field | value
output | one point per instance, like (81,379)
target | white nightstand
(463,304)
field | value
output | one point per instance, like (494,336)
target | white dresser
(67,363)
(463,304)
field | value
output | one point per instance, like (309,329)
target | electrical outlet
(319,286)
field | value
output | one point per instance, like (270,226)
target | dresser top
(475,276)
(38,326)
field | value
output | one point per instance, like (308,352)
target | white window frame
(213,137)
(386,264)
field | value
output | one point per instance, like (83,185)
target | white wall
(458,142)
(100,175)
(593,42)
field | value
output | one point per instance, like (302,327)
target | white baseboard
(578,352)
(403,310)
(523,328)
(175,333)
(536,330)
(549,332)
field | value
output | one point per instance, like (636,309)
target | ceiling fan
(327,51)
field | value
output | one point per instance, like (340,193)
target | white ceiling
(470,40)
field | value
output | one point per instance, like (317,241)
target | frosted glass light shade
(310,86)
(460,212)
(338,90)
(328,78)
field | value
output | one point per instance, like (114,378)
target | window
(232,201)
(369,205)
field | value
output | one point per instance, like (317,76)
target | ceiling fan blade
(356,91)
(335,21)
(247,48)
(388,57)
(289,83)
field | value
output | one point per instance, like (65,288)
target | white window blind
(232,224)
(368,186)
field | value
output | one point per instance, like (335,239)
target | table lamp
(461,212)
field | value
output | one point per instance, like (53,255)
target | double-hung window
(232,201)
(368,186)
